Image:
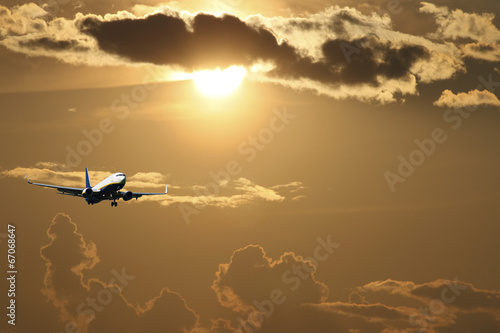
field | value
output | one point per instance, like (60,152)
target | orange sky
(350,180)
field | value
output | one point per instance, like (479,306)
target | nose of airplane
(123,179)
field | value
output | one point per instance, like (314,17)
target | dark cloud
(338,24)
(209,41)
(355,62)
(397,62)
(329,52)
(47,43)
(483,47)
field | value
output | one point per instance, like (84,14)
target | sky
(332,166)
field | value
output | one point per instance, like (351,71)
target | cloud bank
(338,52)
(245,286)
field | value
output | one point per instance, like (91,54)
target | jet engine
(87,193)
(128,195)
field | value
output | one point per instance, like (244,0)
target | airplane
(108,189)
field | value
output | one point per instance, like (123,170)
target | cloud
(481,50)
(455,24)
(221,326)
(55,173)
(236,193)
(96,306)
(442,305)
(22,20)
(338,52)
(245,285)
(147,179)
(455,293)
(251,276)
(469,309)
(64,273)
(30,30)
(470,297)
(207,41)
(459,26)
(51,173)
(472,98)
(369,311)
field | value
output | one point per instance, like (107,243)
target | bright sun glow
(219,83)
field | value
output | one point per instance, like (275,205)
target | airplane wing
(74,191)
(129,195)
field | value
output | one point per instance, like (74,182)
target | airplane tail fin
(87,180)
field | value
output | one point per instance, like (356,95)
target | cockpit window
(121,174)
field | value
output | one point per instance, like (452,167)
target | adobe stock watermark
(249,149)
(292,280)
(454,117)
(436,307)
(93,305)
(120,108)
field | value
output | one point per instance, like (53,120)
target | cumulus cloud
(63,280)
(471,98)
(339,52)
(96,306)
(247,282)
(29,29)
(251,276)
(245,285)
(22,20)
(454,24)
(459,26)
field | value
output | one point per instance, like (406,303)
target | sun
(219,83)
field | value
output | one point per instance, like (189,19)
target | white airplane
(108,189)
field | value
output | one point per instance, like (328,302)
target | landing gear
(114,203)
